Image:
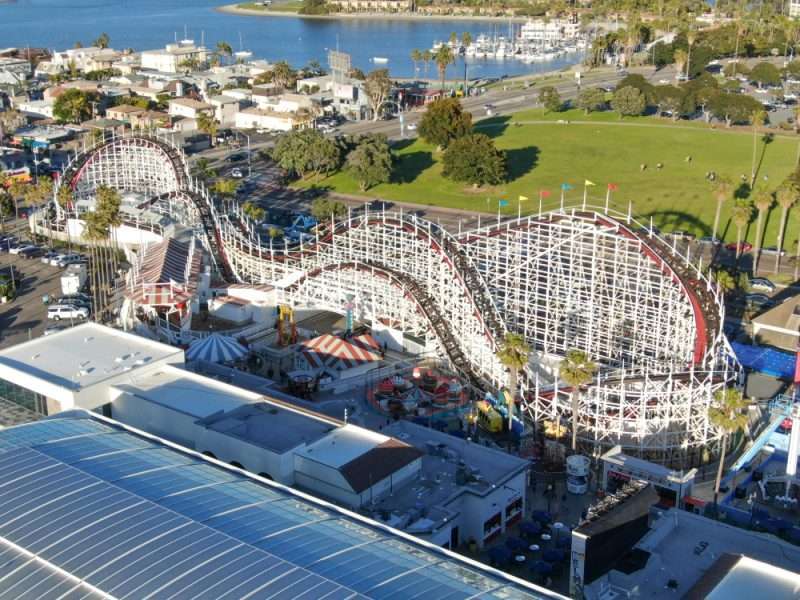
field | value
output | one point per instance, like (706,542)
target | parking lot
(25,317)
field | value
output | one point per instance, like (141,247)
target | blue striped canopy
(215,348)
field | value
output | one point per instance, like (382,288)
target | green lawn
(287,6)
(542,156)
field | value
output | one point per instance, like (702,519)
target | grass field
(543,154)
(287,6)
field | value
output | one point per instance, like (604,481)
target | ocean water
(146,24)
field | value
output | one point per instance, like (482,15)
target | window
(23,397)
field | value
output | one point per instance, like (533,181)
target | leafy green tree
(474,159)
(307,152)
(757,119)
(765,73)
(725,281)
(628,101)
(444,121)
(728,414)
(793,69)
(7,208)
(323,210)
(733,108)
(283,75)
(640,83)
(72,106)
(370,163)
(102,41)
(680,57)
(377,86)
(592,99)
(224,49)
(550,99)
(513,354)
(669,99)
(314,7)
(202,169)
(576,370)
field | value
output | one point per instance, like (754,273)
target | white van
(67,311)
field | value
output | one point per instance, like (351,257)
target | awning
(216,348)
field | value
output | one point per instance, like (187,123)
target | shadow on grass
(676,221)
(494,127)
(521,161)
(399,145)
(411,165)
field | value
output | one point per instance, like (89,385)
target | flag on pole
(565,187)
(523,198)
(502,203)
(544,193)
(613,187)
(588,183)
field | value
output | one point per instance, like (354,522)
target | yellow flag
(588,183)
(523,198)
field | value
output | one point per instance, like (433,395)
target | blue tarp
(765,360)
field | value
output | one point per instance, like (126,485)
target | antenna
(185,32)
(202,37)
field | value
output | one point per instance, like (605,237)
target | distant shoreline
(233,9)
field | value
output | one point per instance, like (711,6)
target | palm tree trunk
(738,243)
(753,166)
(797,259)
(575,393)
(759,224)
(716,219)
(513,390)
(781,232)
(720,467)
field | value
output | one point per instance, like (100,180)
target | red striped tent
(161,279)
(331,352)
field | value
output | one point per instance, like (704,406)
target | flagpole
(585,191)
(519,207)
(608,198)
(630,210)
(562,198)
(540,203)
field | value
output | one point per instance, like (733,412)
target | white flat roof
(82,356)
(342,446)
(188,392)
(755,579)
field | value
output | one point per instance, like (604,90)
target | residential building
(794,8)
(95,509)
(225,109)
(189,108)
(549,32)
(14,71)
(375,6)
(123,112)
(260,118)
(346,97)
(86,59)
(175,58)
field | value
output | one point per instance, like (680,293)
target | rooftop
(100,508)
(188,392)
(270,424)
(683,547)
(191,103)
(82,356)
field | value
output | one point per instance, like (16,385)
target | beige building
(264,118)
(123,112)
(779,326)
(189,108)
(174,57)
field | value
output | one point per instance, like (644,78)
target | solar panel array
(90,510)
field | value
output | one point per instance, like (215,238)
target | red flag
(544,193)
(613,187)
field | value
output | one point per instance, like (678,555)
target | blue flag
(502,203)
(566,186)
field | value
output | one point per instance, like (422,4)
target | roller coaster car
(488,418)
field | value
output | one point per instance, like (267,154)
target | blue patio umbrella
(530,528)
(541,567)
(216,348)
(542,516)
(554,555)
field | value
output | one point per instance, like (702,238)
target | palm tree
(427,57)
(443,58)
(203,170)
(576,370)
(453,38)
(208,125)
(742,28)
(757,119)
(723,190)
(514,355)
(416,58)
(466,39)
(787,195)
(727,415)
(740,215)
(691,36)
(762,202)
(681,60)
(224,49)
(725,281)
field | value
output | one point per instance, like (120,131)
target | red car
(743,247)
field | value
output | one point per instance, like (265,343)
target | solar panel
(139,520)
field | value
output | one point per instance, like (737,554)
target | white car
(237,173)
(412,127)
(66,311)
(20,248)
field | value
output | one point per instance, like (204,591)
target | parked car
(49,256)
(78,296)
(759,300)
(682,235)
(237,173)
(707,239)
(16,249)
(236,157)
(67,311)
(31,251)
(74,301)
(762,284)
(772,250)
(744,246)
(412,127)
(70,259)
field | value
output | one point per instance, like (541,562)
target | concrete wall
(157,419)
(255,459)
(476,510)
